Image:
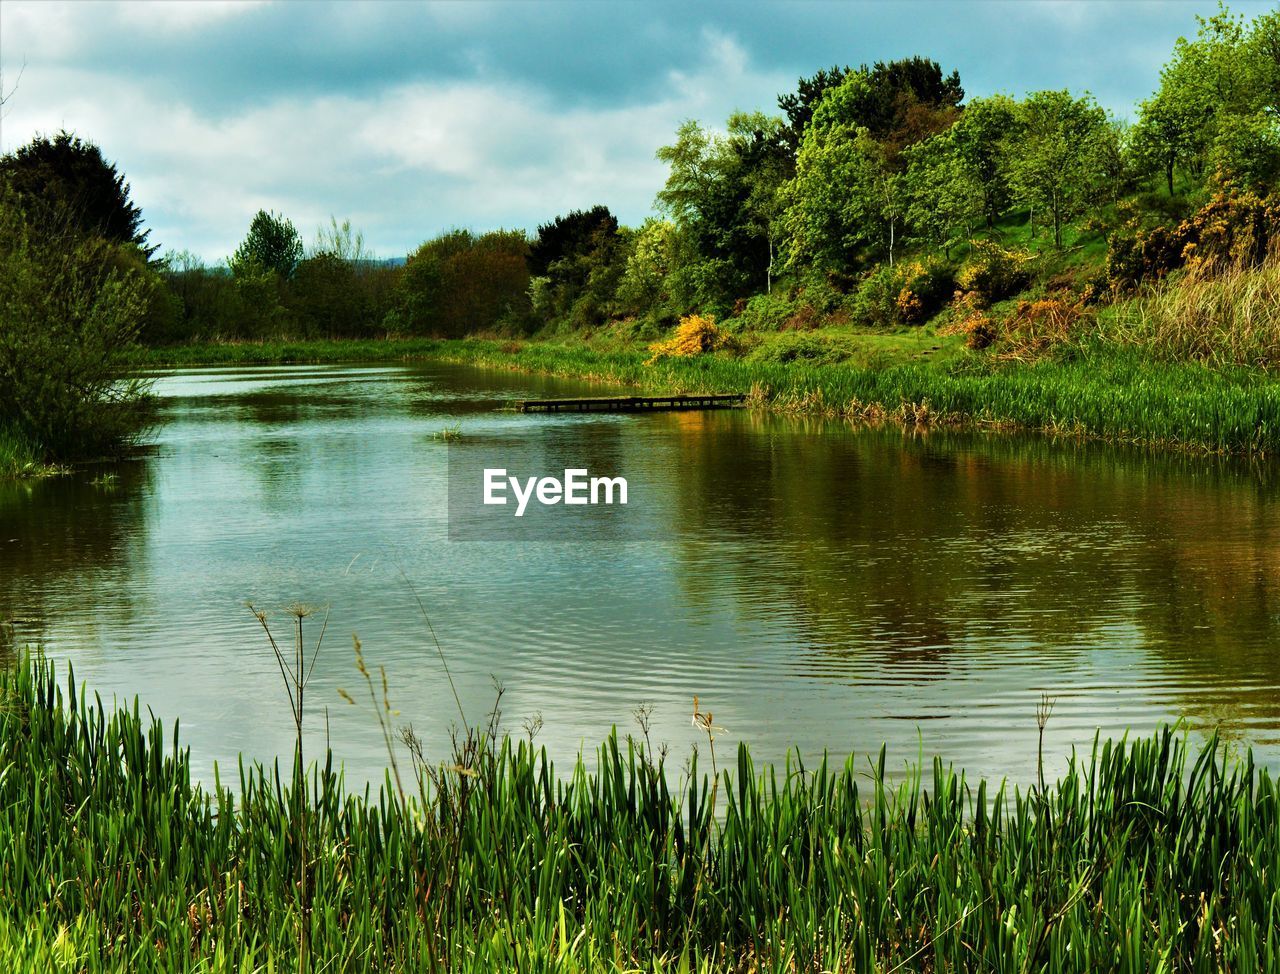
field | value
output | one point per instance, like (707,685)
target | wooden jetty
(628,404)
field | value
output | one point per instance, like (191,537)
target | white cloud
(404,162)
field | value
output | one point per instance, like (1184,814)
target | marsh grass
(18,459)
(1101,386)
(1143,856)
(1222,315)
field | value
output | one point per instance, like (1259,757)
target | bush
(810,349)
(992,273)
(69,321)
(1234,228)
(927,285)
(907,293)
(767,312)
(695,335)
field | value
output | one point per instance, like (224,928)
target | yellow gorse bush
(695,335)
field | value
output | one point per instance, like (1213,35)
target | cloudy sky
(410,118)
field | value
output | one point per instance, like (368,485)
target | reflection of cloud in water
(815,585)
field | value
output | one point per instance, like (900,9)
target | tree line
(870,196)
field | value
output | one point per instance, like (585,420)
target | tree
(1229,70)
(71,306)
(65,182)
(722,194)
(1247,151)
(460,283)
(980,138)
(1058,163)
(945,197)
(847,195)
(902,102)
(573,235)
(272,244)
(799,106)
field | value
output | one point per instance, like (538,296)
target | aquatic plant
(1143,855)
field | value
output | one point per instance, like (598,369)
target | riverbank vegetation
(1143,856)
(74,290)
(1030,261)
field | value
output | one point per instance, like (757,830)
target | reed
(1224,315)
(1143,856)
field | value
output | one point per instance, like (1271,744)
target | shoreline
(1108,394)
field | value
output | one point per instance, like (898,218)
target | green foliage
(272,246)
(803,348)
(722,195)
(66,184)
(71,307)
(460,283)
(581,258)
(644,287)
(114,859)
(946,198)
(846,198)
(1246,152)
(1064,158)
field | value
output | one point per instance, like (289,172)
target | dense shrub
(695,335)
(907,293)
(1233,228)
(71,307)
(808,348)
(992,272)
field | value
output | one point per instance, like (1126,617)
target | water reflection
(817,585)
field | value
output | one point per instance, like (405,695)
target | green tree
(721,193)
(273,244)
(65,182)
(1060,162)
(981,138)
(847,195)
(945,197)
(460,283)
(1246,151)
(71,307)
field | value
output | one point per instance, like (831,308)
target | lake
(816,585)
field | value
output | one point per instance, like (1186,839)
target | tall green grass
(1143,857)
(1098,391)
(17,457)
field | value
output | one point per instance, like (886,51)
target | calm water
(815,585)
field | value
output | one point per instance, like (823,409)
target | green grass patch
(111,858)
(18,459)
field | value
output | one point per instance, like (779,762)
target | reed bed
(1116,386)
(1228,315)
(1096,391)
(1142,857)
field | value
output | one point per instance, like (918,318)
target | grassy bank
(1106,391)
(1142,857)
(290,352)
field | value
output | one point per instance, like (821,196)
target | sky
(413,118)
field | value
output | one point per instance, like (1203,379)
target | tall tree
(64,181)
(1059,161)
(272,244)
(847,196)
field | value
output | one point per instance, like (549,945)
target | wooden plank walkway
(628,404)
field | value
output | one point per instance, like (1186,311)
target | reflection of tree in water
(894,548)
(64,538)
